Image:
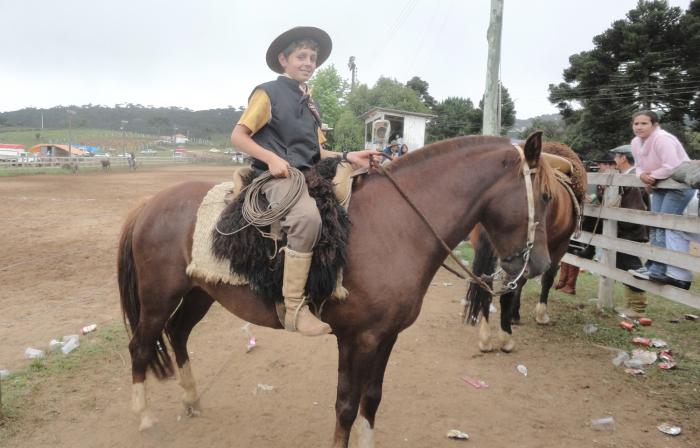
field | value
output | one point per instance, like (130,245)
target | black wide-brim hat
(325,45)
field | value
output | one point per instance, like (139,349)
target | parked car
(149,152)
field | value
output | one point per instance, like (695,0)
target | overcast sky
(210,53)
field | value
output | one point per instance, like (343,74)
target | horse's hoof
(485,348)
(193,409)
(148,422)
(508,346)
(541,316)
(507,343)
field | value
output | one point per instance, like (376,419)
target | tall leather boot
(635,303)
(563,275)
(570,287)
(298,317)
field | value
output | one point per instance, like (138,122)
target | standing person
(656,154)
(392,150)
(634,198)
(404,150)
(281,128)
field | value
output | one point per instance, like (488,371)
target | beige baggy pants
(303,222)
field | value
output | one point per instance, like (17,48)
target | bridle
(527,173)
(531,223)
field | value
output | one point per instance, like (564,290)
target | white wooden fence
(115,162)
(610,244)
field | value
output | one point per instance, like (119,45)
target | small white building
(406,127)
(181,139)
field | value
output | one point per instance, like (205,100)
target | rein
(531,226)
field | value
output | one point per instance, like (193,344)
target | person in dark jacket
(634,198)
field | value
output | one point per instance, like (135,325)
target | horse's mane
(579,180)
(468,142)
(544,180)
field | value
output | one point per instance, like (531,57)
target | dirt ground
(57,273)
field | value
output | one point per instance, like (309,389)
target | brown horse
(561,223)
(456,183)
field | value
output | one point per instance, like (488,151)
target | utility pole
(123,128)
(491,125)
(70,149)
(353,69)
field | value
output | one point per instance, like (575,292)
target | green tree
(553,130)
(421,88)
(348,134)
(329,90)
(455,116)
(641,62)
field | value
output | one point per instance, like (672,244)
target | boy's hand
(360,159)
(278,166)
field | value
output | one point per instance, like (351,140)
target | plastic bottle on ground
(603,424)
(32,353)
(70,345)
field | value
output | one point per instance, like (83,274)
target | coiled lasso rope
(259,217)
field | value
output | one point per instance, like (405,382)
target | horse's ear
(533,148)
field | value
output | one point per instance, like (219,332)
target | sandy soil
(57,271)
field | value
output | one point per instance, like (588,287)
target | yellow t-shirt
(259,113)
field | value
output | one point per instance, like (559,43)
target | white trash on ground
(55,345)
(620,358)
(70,343)
(669,429)
(32,353)
(457,434)
(522,369)
(603,424)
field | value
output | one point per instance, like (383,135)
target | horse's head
(517,209)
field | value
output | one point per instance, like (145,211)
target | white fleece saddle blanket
(204,264)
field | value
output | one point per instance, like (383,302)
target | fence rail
(611,244)
(96,162)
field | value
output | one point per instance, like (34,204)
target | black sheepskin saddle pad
(253,256)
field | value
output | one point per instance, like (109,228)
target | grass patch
(19,388)
(676,389)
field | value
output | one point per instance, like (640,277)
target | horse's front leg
(355,362)
(507,306)
(372,395)
(541,315)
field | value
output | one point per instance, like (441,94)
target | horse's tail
(161,364)
(484,263)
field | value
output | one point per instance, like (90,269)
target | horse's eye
(546,197)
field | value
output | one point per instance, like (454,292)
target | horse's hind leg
(195,304)
(541,315)
(148,350)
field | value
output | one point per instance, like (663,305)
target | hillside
(212,125)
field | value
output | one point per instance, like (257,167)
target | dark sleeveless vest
(292,133)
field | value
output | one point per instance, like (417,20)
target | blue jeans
(672,202)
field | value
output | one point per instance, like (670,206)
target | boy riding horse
(281,128)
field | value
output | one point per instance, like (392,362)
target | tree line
(214,124)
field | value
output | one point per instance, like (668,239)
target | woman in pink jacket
(656,154)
